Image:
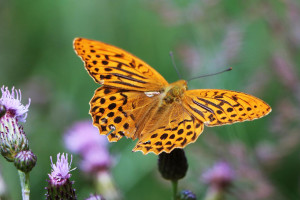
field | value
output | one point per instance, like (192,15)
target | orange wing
(172,128)
(217,107)
(114,67)
(117,112)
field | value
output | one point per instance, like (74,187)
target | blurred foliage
(259,39)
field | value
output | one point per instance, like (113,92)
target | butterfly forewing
(217,107)
(114,67)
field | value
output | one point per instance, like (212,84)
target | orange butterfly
(137,102)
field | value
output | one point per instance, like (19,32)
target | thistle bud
(25,161)
(12,138)
(173,166)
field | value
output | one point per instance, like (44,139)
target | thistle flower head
(95,197)
(95,159)
(84,139)
(83,135)
(60,187)
(60,170)
(12,103)
(220,175)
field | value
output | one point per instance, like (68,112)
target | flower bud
(12,138)
(173,166)
(25,161)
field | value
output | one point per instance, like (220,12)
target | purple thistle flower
(220,175)
(95,197)
(84,139)
(83,135)
(12,103)
(60,170)
(95,159)
(60,187)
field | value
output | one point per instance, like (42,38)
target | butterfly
(137,102)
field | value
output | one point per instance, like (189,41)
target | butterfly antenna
(226,70)
(174,64)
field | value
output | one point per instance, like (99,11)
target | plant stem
(174,186)
(106,186)
(24,179)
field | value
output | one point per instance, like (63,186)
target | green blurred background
(259,39)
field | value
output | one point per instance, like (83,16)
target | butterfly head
(175,91)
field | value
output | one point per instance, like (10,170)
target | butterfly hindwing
(217,107)
(114,67)
(107,113)
(177,128)
(117,112)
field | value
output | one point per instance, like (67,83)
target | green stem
(214,194)
(106,186)
(24,179)
(174,186)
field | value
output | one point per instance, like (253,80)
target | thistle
(59,185)
(173,166)
(14,145)
(83,138)
(219,178)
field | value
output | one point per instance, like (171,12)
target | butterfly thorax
(174,92)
